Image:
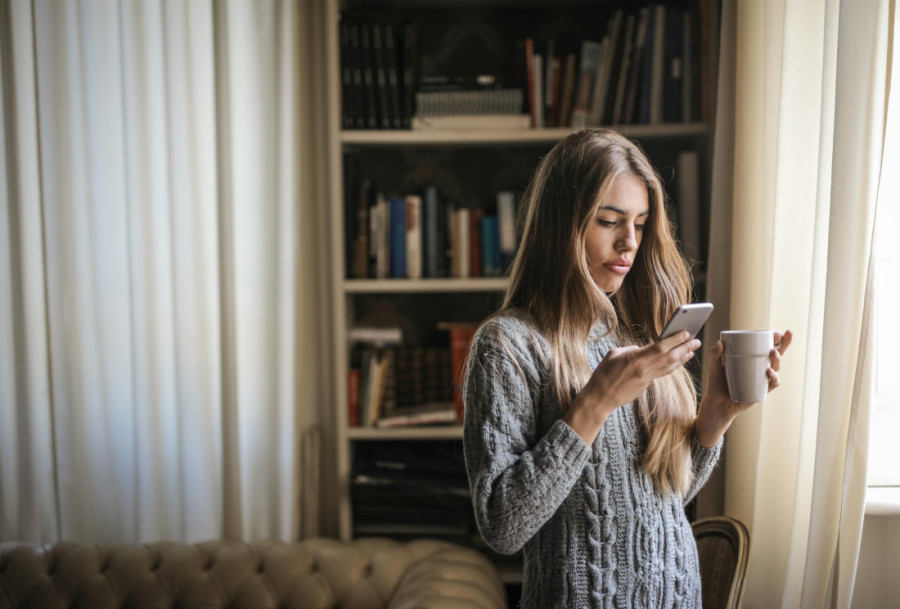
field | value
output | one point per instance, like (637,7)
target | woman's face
(613,238)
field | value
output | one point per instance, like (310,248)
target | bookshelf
(467,165)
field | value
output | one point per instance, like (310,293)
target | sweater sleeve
(704,460)
(517,480)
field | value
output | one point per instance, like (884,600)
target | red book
(461,335)
(353,398)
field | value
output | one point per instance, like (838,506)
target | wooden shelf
(500,136)
(396,286)
(443,432)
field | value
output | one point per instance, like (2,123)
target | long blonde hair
(551,284)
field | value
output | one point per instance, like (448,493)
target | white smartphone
(690,317)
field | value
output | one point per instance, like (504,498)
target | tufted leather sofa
(313,574)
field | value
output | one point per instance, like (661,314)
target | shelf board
(499,136)
(370,286)
(436,432)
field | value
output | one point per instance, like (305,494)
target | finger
(667,344)
(785,341)
(775,359)
(621,350)
(774,379)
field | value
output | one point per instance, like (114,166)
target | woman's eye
(638,227)
(606,223)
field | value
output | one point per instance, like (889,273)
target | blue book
(398,237)
(490,246)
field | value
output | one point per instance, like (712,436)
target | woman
(581,440)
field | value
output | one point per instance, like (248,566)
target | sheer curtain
(153,212)
(794,202)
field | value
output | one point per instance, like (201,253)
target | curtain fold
(152,207)
(810,87)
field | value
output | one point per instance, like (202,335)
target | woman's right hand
(621,377)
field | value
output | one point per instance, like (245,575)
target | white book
(378,337)
(471,121)
(506,212)
(414,237)
(688,178)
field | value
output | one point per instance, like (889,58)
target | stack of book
(424,235)
(390,385)
(378,74)
(411,489)
(645,68)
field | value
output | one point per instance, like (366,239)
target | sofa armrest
(448,577)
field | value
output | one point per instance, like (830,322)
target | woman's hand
(621,377)
(717,411)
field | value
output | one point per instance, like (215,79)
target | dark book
(398,237)
(367,61)
(361,236)
(430,224)
(674,68)
(394,75)
(624,68)
(361,119)
(410,58)
(645,95)
(349,109)
(385,121)
(636,69)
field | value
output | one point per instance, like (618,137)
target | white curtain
(794,199)
(152,216)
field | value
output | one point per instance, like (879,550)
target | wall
(878,574)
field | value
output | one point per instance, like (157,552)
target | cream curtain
(794,201)
(153,211)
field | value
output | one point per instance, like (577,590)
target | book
(475,216)
(567,91)
(688,177)
(633,87)
(438,414)
(398,232)
(356,67)
(673,72)
(362,229)
(490,246)
(538,80)
(590,56)
(348,93)
(367,62)
(410,72)
(471,122)
(657,72)
(392,61)
(624,69)
(385,121)
(601,94)
(529,75)
(431,252)
(506,217)
(375,336)
(461,335)
(380,237)
(552,77)
(413,236)
(461,243)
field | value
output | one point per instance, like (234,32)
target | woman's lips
(619,267)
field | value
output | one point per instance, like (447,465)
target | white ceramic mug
(746,361)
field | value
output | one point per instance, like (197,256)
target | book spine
(490,246)
(624,69)
(381,77)
(630,111)
(398,237)
(567,91)
(356,67)
(460,343)
(657,76)
(529,74)
(410,72)
(393,75)
(506,213)
(590,55)
(461,245)
(430,241)
(369,77)
(361,250)
(348,100)
(475,255)
(414,236)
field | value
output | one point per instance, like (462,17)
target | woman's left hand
(716,409)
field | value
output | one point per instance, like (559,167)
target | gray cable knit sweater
(595,531)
